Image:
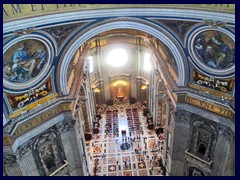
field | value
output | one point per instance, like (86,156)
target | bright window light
(147,62)
(117,57)
(90,58)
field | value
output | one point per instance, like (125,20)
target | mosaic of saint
(24,60)
(215,49)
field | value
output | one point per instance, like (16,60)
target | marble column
(180,137)
(26,161)
(90,101)
(70,145)
(230,166)
(81,143)
(102,98)
(222,150)
(84,112)
(168,131)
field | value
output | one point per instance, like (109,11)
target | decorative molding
(215,24)
(66,125)
(131,23)
(205,104)
(156,12)
(46,68)
(30,124)
(24,31)
(199,64)
(207,115)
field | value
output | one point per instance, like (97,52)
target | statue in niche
(48,157)
(215,51)
(202,140)
(22,65)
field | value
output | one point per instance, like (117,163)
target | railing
(63,170)
(192,156)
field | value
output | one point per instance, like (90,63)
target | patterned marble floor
(108,159)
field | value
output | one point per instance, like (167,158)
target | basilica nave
(118,89)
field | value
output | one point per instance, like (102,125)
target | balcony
(191,157)
(61,171)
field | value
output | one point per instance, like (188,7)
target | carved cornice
(32,123)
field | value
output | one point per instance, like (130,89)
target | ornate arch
(122,23)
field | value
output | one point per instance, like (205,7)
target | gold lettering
(5,12)
(7,140)
(230,114)
(222,111)
(188,99)
(32,5)
(208,106)
(42,5)
(16,9)
(12,11)
(32,123)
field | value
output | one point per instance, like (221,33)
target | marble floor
(125,146)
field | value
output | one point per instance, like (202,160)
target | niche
(202,149)
(49,162)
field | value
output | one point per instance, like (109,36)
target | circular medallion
(25,62)
(213,51)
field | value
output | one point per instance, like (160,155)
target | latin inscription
(24,10)
(36,121)
(206,105)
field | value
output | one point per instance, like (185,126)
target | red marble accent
(141,165)
(111,168)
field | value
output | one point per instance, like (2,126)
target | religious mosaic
(215,49)
(225,85)
(20,100)
(180,27)
(24,61)
(61,32)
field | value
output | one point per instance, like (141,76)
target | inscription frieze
(204,104)
(36,121)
